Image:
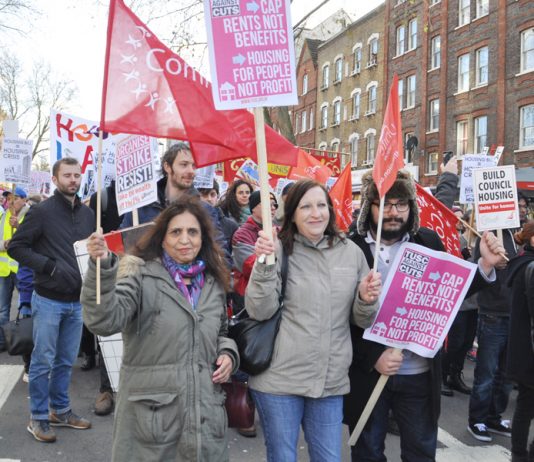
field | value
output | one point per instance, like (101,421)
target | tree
(29,100)
(12,11)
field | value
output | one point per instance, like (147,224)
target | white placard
(204,177)
(470,162)
(16,161)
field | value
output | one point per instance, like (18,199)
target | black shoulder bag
(255,339)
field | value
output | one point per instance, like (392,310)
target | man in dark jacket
(44,242)
(413,389)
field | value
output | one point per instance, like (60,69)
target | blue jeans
(57,330)
(491,390)
(7,284)
(410,399)
(281,417)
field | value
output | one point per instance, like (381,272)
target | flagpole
(379,232)
(98,209)
(261,147)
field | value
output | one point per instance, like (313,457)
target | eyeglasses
(401,206)
(274,205)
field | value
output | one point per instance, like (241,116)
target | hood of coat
(402,188)
(129,265)
(516,263)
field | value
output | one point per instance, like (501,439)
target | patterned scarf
(194,271)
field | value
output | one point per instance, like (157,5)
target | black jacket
(363,376)
(44,243)
(520,360)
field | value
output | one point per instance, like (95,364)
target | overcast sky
(71,34)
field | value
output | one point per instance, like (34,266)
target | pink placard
(252,54)
(421,296)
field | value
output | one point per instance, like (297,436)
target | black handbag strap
(283,271)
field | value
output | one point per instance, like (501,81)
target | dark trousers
(523,416)
(459,342)
(410,399)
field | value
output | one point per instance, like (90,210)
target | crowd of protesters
(172,295)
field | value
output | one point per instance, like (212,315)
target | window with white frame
(305,84)
(356,98)
(408,156)
(412,34)
(310,127)
(435,52)
(353,142)
(481,133)
(481,68)
(432,163)
(370,150)
(463,73)
(322,146)
(335,146)
(401,40)
(303,122)
(326,76)
(357,60)
(433,124)
(338,70)
(324,116)
(464,12)
(526,127)
(337,113)
(527,50)
(482,8)
(410,91)
(462,137)
(401,93)
(434,2)
(373,51)
(297,122)
(371,102)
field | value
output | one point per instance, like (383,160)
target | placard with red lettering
(136,183)
(420,298)
(495,193)
(252,56)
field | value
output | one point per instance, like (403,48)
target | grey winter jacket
(168,408)
(313,349)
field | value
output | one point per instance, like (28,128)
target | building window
(401,93)
(434,115)
(432,163)
(408,155)
(410,91)
(354,151)
(527,50)
(401,32)
(481,70)
(371,106)
(337,113)
(482,8)
(434,2)
(326,76)
(461,137)
(464,12)
(481,133)
(297,120)
(412,34)
(338,70)
(303,120)
(305,84)
(335,147)
(357,57)
(463,73)
(356,105)
(373,52)
(435,50)
(311,119)
(370,152)
(324,117)
(526,127)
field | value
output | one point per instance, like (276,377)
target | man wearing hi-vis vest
(9,223)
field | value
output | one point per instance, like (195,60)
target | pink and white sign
(421,296)
(252,54)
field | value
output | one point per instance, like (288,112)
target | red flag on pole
(389,156)
(341,195)
(309,167)
(150,90)
(434,215)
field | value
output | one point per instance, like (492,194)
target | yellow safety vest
(7,264)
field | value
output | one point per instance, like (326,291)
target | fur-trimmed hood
(404,187)
(129,265)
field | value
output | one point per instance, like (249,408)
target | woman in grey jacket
(169,303)
(328,286)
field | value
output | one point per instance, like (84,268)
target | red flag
(389,156)
(341,195)
(150,90)
(309,167)
(434,215)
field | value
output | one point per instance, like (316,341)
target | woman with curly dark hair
(234,203)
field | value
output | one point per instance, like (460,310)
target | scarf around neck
(193,271)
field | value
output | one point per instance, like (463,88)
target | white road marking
(459,452)
(10,375)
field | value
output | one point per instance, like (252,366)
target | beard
(64,189)
(390,234)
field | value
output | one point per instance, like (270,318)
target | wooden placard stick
(98,208)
